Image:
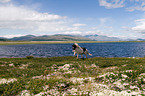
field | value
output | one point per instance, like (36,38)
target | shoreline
(33,57)
(58,42)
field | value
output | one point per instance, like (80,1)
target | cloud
(112,3)
(129,5)
(73,32)
(83,33)
(54,27)
(140,26)
(4,1)
(19,17)
(78,25)
(13,13)
(11,35)
(103,21)
(93,32)
(138,6)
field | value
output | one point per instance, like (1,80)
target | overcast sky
(113,18)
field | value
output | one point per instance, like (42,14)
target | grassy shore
(55,42)
(70,76)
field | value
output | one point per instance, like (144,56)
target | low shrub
(29,57)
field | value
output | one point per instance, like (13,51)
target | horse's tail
(89,54)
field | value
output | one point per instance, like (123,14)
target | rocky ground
(66,76)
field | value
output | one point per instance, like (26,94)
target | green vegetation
(56,42)
(71,76)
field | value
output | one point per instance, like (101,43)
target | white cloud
(19,17)
(91,32)
(12,35)
(78,25)
(73,32)
(140,7)
(98,32)
(140,26)
(4,1)
(105,20)
(12,13)
(130,5)
(112,3)
(54,27)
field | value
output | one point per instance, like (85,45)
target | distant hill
(62,37)
(57,37)
(140,39)
(23,38)
(3,39)
(102,38)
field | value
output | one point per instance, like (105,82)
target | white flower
(134,87)
(40,94)
(2,81)
(142,74)
(23,66)
(25,93)
(68,72)
(118,84)
(128,70)
(76,80)
(125,84)
(93,65)
(65,67)
(114,67)
(125,76)
(73,90)
(12,65)
(124,65)
(45,87)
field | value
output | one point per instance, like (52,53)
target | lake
(121,49)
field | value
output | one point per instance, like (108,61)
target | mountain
(102,38)
(3,39)
(58,37)
(140,39)
(62,37)
(23,38)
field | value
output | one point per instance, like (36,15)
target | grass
(68,75)
(56,42)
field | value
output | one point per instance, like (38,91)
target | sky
(124,19)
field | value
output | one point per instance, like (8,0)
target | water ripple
(52,50)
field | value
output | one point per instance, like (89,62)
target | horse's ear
(76,44)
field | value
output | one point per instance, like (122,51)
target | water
(129,49)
